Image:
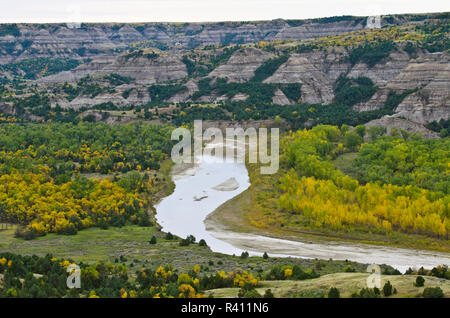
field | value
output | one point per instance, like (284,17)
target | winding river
(202,189)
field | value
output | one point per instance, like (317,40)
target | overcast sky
(202,10)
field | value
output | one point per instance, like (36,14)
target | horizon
(226,21)
(203,11)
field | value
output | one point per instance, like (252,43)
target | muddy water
(202,189)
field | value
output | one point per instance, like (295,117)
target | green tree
(334,293)
(352,140)
(361,130)
(387,289)
(420,281)
(433,292)
(268,294)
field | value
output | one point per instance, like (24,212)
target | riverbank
(235,218)
(221,218)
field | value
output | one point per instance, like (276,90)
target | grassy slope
(243,213)
(347,283)
(344,163)
(94,244)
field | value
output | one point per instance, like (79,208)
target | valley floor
(130,245)
(347,283)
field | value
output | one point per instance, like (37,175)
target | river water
(184,211)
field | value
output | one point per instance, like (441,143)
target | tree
(153,240)
(265,255)
(361,130)
(344,128)
(191,238)
(334,293)
(184,242)
(387,289)
(352,140)
(202,242)
(169,236)
(268,294)
(420,281)
(376,131)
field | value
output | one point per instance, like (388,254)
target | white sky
(203,10)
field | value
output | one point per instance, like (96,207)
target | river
(197,194)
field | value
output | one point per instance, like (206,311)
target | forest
(44,183)
(400,184)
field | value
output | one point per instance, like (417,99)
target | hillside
(345,71)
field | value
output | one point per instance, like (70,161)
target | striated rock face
(316,86)
(422,71)
(314,30)
(280,98)
(382,73)
(138,96)
(432,101)
(149,71)
(61,40)
(142,69)
(183,96)
(240,97)
(72,76)
(242,65)
(7,109)
(430,74)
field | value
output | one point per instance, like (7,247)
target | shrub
(334,293)
(349,269)
(153,240)
(371,53)
(433,292)
(268,68)
(420,281)
(191,238)
(387,289)
(268,294)
(352,140)
(350,91)
(169,236)
(184,242)
(367,293)
(360,130)
(25,233)
(160,93)
(248,291)
(265,256)
(202,242)
(244,255)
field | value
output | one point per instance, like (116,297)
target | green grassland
(132,243)
(347,283)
